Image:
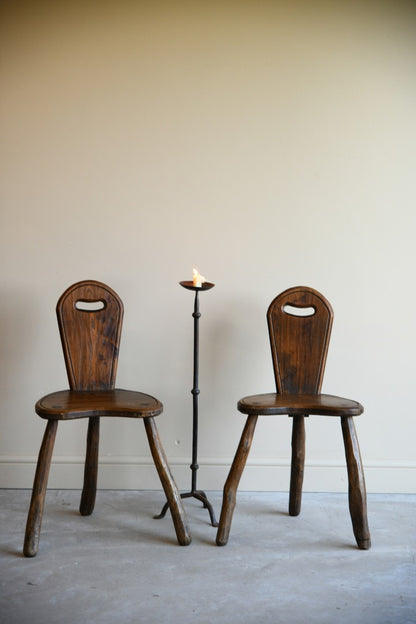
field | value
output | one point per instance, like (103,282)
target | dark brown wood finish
(233,479)
(274,404)
(357,496)
(300,321)
(295,340)
(70,404)
(297,465)
(86,506)
(37,502)
(90,318)
(90,337)
(168,482)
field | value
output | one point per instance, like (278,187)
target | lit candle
(197,279)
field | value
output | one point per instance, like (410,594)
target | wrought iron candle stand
(194,492)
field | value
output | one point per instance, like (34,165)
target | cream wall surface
(269,144)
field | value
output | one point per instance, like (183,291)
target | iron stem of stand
(194,492)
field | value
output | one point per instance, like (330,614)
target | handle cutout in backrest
(90,306)
(294,310)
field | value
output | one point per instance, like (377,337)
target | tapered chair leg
(89,491)
(168,483)
(34,518)
(233,479)
(356,484)
(297,465)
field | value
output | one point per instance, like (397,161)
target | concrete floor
(121,566)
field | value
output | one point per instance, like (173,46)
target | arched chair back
(300,322)
(90,317)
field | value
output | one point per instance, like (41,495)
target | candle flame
(198,279)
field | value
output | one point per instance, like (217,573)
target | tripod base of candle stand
(199,495)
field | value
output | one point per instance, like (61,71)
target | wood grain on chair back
(90,316)
(300,322)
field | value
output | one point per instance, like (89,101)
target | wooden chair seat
(68,405)
(274,404)
(300,321)
(90,316)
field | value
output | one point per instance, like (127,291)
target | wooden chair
(300,321)
(90,317)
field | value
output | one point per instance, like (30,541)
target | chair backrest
(300,322)
(90,317)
